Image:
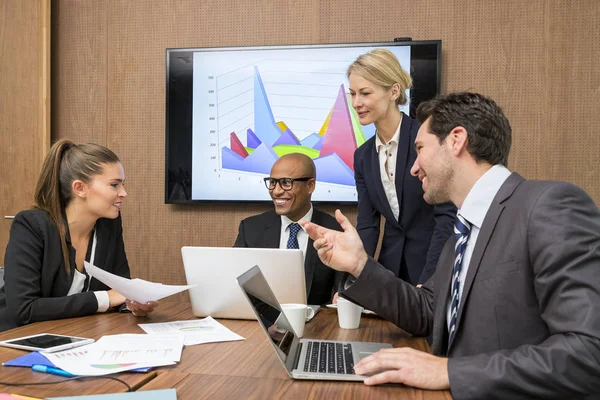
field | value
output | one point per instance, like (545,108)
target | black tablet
(46,342)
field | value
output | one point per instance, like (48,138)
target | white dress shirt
(474,208)
(77,285)
(302,235)
(388,153)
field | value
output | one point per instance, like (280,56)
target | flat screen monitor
(232,112)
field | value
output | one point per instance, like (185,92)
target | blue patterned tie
(293,240)
(461,232)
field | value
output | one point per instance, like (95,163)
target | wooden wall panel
(570,144)
(79,71)
(535,58)
(24,104)
(492,47)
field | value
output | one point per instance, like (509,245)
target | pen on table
(51,370)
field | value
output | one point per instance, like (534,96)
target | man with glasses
(291,184)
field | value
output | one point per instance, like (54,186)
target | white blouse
(78,283)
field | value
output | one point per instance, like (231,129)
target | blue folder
(35,357)
(28,360)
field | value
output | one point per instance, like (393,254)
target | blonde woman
(414,232)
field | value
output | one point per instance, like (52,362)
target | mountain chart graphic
(332,148)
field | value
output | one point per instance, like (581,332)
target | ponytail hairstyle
(65,163)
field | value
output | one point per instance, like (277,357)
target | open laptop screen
(269,313)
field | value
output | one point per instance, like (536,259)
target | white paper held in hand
(135,289)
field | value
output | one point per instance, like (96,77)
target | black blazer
(264,231)
(413,243)
(36,283)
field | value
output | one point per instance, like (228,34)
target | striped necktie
(461,232)
(293,239)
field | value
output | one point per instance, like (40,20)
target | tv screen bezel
(422,94)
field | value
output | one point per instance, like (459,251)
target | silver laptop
(214,271)
(302,358)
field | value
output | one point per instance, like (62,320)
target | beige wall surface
(536,58)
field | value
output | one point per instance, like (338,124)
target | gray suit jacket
(529,316)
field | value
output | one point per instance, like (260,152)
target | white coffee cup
(296,314)
(348,314)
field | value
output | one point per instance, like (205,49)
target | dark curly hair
(488,129)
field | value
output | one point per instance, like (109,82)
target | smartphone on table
(46,342)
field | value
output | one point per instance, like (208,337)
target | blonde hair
(65,163)
(381,67)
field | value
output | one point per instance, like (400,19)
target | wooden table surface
(241,369)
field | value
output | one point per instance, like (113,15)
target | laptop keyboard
(327,357)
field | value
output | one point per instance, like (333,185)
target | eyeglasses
(284,183)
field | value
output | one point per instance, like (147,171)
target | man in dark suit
(291,184)
(513,304)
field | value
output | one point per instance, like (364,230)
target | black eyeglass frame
(278,181)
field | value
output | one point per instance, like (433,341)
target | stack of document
(161,346)
(132,352)
(118,353)
(205,330)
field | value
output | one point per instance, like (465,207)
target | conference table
(239,369)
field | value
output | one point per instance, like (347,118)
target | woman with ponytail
(76,218)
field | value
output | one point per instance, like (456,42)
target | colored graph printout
(206,330)
(82,361)
(251,107)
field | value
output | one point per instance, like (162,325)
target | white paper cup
(348,314)
(296,314)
